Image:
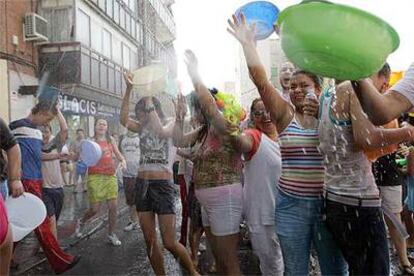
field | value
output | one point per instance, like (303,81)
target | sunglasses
(260,113)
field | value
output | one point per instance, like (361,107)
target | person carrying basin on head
(300,219)
(155,192)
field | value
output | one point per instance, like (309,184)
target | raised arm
(63,132)
(380,108)
(368,136)
(180,138)
(155,121)
(206,100)
(127,121)
(280,110)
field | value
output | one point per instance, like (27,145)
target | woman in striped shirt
(299,217)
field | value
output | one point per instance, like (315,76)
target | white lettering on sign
(75,105)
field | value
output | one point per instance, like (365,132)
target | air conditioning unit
(34,28)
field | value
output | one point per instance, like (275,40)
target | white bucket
(150,80)
(90,152)
(25,213)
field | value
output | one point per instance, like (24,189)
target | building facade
(18,59)
(272,56)
(92,43)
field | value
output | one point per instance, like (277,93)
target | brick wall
(22,57)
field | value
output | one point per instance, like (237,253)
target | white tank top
(261,175)
(348,172)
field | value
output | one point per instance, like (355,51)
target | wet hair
(315,78)
(45,106)
(385,70)
(255,101)
(140,106)
(107,135)
(80,130)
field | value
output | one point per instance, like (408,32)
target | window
(96,37)
(126,56)
(107,43)
(95,72)
(122,17)
(86,69)
(133,29)
(117,50)
(132,5)
(139,34)
(101,4)
(134,61)
(128,23)
(110,8)
(83,28)
(116,11)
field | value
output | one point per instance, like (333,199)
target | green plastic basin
(336,41)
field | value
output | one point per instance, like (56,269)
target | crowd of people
(310,176)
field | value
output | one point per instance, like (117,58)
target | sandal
(408,269)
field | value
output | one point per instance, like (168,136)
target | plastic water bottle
(310,122)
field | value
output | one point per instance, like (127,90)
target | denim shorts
(157,196)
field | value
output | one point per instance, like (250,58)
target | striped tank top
(302,165)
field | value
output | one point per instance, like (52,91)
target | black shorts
(156,196)
(53,199)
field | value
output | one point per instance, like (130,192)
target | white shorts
(221,208)
(391,197)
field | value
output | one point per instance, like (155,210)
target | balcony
(69,63)
(165,25)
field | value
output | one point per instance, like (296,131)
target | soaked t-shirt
(216,163)
(157,153)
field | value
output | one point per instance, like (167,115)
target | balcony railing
(71,63)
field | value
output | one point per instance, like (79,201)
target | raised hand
(180,107)
(191,62)
(241,31)
(128,79)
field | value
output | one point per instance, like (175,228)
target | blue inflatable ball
(264,14)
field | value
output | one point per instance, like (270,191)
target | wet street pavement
(99,257)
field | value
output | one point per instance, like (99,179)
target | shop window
(83,28)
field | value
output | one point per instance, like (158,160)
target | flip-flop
(408,269)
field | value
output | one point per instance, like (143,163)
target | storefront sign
(75,105)
(79,106)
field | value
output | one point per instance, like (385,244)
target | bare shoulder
(341,102)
